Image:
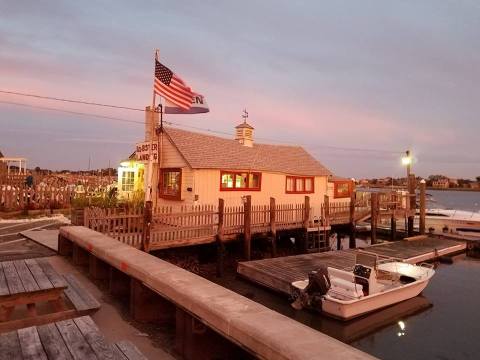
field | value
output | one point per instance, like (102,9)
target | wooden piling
(353,228)
(373,217)
(147,226)
(273,226)
(422,206)
(219,239)
(326,203)
(412,201)
(306,214)
(247,226)
(393,227)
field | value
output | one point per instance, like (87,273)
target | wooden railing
(175,226)
(183,226)
(126,225)
(12,179)
(20,198)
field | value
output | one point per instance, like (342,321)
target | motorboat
(371,285)
(441,221)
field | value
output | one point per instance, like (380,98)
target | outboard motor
(318,282)
(311,295)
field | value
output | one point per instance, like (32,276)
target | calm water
(461,200)
(449,329)
(442,323)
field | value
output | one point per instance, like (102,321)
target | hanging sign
(143,151)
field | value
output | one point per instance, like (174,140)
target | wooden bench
(77,338)
(32,281)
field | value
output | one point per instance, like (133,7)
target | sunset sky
(354,82)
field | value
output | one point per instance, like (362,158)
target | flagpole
(148,195)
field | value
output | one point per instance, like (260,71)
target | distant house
(196,168)
(475,185)
(441,183)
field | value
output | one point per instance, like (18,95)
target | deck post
(65,246)
(393,226)
(422,206)
(247,226)
(373,217)
(326,203)
(147,226)
(219,238)
(305,225)
(273,226)
(147,306)
(353,243)
(412,201)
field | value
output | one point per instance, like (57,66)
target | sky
(355,82)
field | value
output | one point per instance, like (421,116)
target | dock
(278,273)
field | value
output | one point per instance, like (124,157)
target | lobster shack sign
(145,150)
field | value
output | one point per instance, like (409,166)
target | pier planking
(278,273)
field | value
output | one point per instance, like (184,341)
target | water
(460,200)
(449,329)
(442,323)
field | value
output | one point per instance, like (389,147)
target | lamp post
(407,161)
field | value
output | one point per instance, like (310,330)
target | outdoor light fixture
(406,160)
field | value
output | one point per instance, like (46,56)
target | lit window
(170,183)
(227,181)
(299,185)
(240,181)
(128,180)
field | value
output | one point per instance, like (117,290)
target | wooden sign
(143,151)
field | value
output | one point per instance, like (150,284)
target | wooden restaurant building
(197,169)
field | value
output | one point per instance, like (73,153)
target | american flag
(171,87)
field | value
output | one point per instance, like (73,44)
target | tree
(478,179)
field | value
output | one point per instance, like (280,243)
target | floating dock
(278,273)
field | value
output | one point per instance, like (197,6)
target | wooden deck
(278,273)
(79,338)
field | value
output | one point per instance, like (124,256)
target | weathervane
(245,116)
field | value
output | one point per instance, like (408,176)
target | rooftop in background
(203,151)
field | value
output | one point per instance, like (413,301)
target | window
(170,184)
(342,189)
(240,181)
(128,180)
(299,185)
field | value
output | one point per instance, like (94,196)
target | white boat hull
(350,309)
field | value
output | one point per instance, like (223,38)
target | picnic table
(33,281)
(77,338)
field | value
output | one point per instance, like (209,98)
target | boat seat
(341,274)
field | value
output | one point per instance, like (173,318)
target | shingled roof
(203,151)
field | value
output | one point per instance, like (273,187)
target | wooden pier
(278,273)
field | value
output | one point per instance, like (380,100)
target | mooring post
(273,226)
(412,202)
(373,216)
(353,228)
(326,203)
(422,206)
(147,226)
(247,226)
(220,244)
(393,226)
